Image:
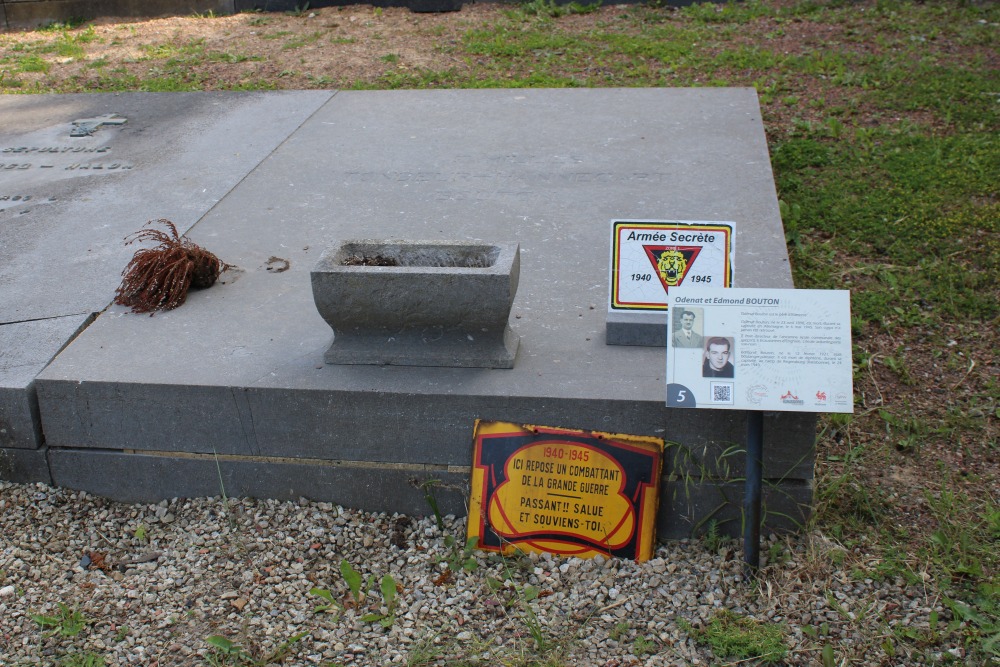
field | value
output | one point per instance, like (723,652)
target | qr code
(722,392)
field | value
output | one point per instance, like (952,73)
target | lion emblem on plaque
(671,264)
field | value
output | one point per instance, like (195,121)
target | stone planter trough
(419,303)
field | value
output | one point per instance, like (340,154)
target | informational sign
(651,257)
(561,491)
(760,349)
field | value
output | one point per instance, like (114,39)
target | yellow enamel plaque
(562,491)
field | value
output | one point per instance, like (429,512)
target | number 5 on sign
(679,396)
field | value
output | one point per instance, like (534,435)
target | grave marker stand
(762,350)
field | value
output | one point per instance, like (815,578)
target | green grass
(190,51)
(61,26)
(231,58)
(305,40)
(33,63)
(551,9)
(732,13)
(903,199)
(64,622)
(732,636)
(81,659)
(224,652)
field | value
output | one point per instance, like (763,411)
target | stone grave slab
(66,202)
(25,349)
(70,192)
(238,371)
(143,477)
(24,466)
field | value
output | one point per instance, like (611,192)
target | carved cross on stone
(84,127)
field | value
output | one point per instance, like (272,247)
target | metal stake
(751,499)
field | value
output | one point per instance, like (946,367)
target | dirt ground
(317,49)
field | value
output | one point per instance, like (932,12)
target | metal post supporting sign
(751,498)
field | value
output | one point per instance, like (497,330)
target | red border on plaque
(564,491)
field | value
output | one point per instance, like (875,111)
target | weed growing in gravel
(387,587)
(459,557)
(122,632)
(713,541)
(822,634)
(359,588)
(83,659)
(777,554)
(428,486)
(424,652)
(227,653)
(827,656)
(733,636)
(642,646)
(226,505)
(979,621)
(331,606)
(535,629)
(66,622)
(522,597)
(619,631)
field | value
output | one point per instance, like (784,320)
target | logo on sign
(791,398)
(671,262)
(756,393)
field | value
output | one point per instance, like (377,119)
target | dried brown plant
(159,278)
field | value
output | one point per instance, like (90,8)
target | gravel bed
(155,581)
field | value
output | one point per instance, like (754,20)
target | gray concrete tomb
(236,380)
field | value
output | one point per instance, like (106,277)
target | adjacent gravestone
(25,349)
(80,172)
